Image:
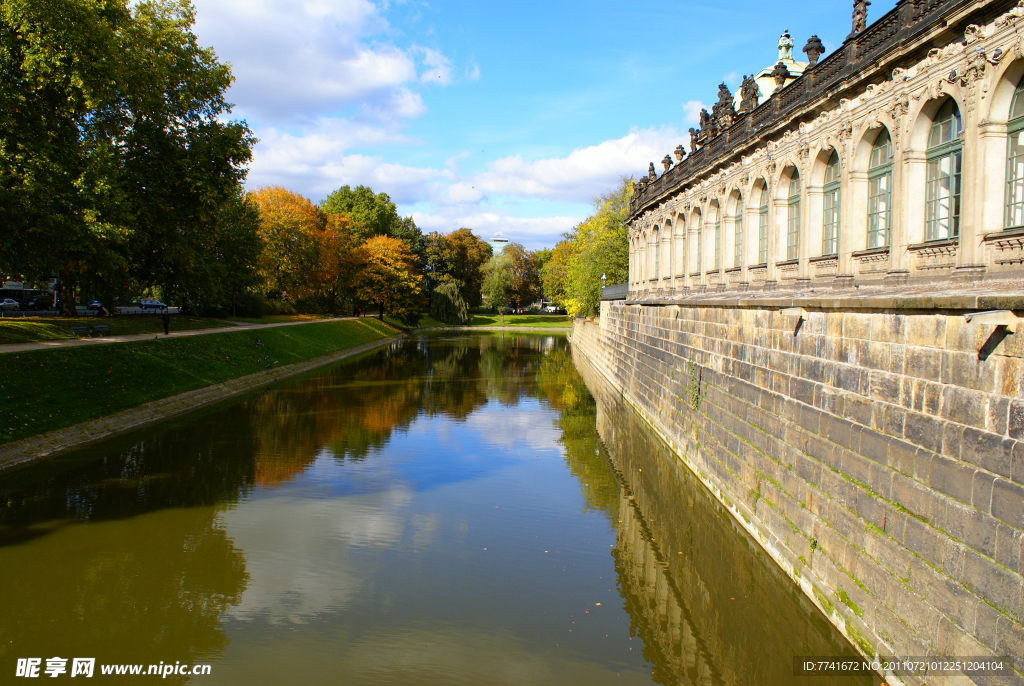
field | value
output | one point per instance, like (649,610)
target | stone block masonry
(876,454)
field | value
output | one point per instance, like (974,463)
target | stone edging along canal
(21,452)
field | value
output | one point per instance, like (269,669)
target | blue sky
(495,116)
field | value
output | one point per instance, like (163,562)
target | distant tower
(497,243)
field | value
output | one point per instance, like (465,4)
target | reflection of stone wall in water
(709,605)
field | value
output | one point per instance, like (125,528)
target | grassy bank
(51,389)
(32,329)
(483,320)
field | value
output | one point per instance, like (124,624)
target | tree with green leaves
(118,167)
(374,214)
(458,256)
(448,306)
(597,246)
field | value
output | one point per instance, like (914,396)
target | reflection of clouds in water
(297,551)
(528,425)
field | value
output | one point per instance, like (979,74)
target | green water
(444,511)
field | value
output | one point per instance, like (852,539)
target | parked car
(38,302)
(9,304)
(94,305)
(151,304)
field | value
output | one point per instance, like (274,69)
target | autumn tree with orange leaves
(386,273)
(306,252)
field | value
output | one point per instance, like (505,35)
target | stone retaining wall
(877,456)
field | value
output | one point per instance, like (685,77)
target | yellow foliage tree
(304,250)
(387,274)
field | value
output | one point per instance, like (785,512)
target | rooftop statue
(724,112)
(860,16)
(667,162)
(814,50)
(693,139)
(785,46)
(651,173)
(679,152)
(749,94)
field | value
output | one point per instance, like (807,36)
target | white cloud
(294,62)
(440,71)
(691,112)
(578,176)
(733,79)
(532,232)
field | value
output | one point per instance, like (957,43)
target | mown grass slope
(31,329)
(50,389)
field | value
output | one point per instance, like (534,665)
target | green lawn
(51,389)
(279,318)
(547,320)
(539,320)
(32,329)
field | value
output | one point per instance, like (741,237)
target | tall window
(880,191)
(1015,162)
(945,159)
(737,235)
(657,255)
(718,241)
(700,244)
(830,218)
(793,218)
(762,227)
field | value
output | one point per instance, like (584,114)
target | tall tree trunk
(67,294)
(380,316)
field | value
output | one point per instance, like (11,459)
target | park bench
(80,331)
(100,329)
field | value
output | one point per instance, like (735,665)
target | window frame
(1014,127)
(951,150)
(793,217)
(762,226)
(831,206)
(737,233)
(875,175)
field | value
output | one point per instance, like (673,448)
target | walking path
(237,326)
(74,342)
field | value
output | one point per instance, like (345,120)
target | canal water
(448,510)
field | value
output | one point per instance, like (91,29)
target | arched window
(1015,162)
(830,218)
(945,159)
(762,227)
(656,245)
(793,218)
(880,191)
(737,235)
(718,239)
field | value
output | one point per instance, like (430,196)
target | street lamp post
(604,280)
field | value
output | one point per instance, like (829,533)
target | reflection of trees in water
(561,386)
(138,590)
(709,604)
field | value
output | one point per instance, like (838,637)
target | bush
(448,306)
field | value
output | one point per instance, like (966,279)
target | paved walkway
(74,342)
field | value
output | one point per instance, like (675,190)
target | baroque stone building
(898,158)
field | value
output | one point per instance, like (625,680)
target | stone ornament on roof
(667,163)
(679,152)
(651,173)
(860,16)
(814,49)
(749,94)
(780,73)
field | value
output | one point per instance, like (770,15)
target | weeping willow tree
(447,305)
